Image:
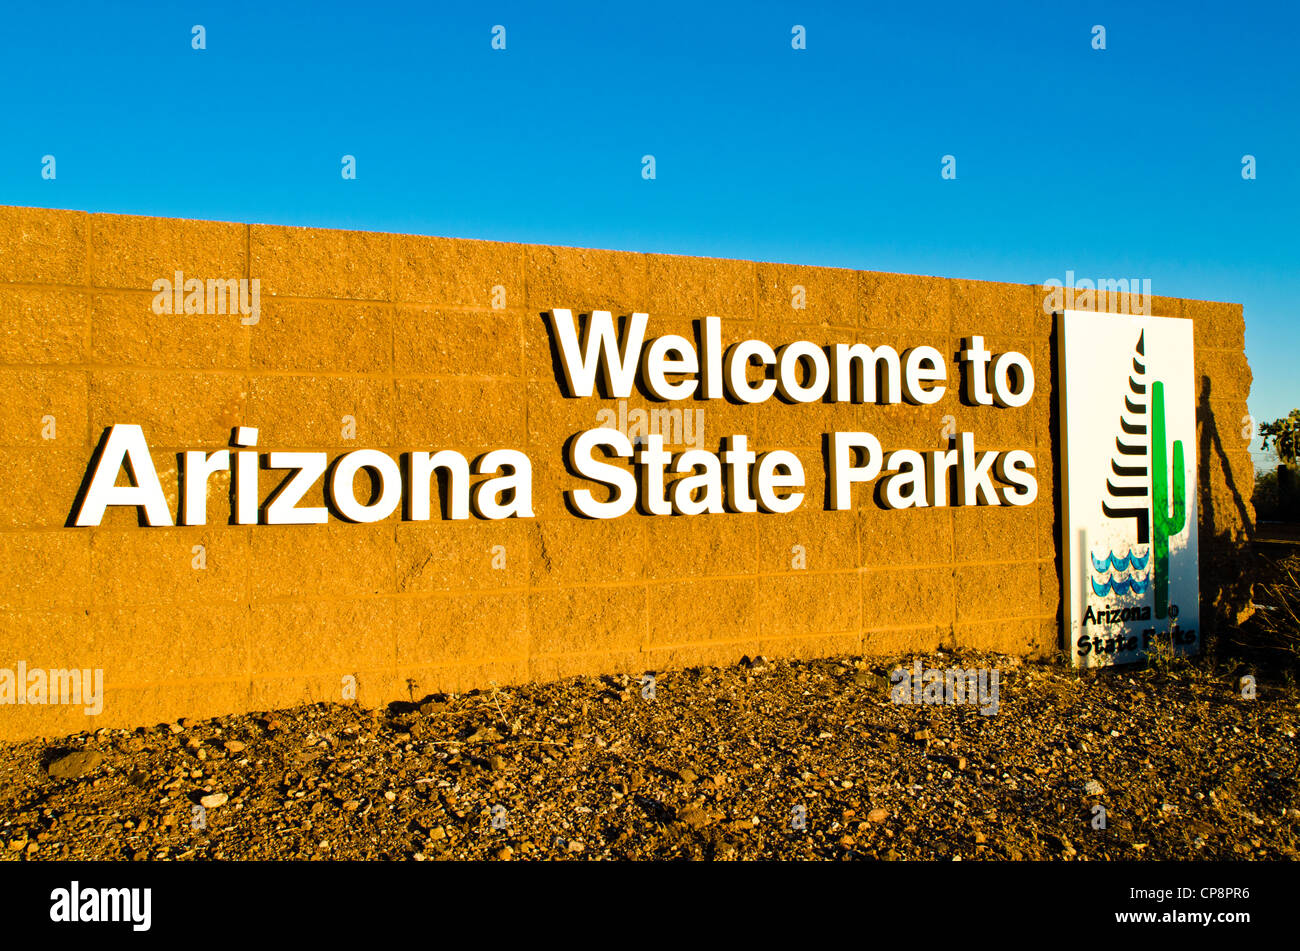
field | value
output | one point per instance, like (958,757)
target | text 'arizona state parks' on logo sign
(1128,424)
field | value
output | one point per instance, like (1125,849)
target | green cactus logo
(1169,511)
(1166,516)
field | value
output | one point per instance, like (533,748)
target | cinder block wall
(399,332)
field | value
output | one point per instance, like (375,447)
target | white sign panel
(1128,447)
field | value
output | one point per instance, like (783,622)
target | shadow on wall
(1227,556)
(1058,469)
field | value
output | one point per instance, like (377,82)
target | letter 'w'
(599,349)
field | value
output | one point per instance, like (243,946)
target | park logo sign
(1128,426)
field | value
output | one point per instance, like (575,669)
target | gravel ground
(716,765)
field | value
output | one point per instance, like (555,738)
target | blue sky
(1117,163)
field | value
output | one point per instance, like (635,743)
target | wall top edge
(561,247)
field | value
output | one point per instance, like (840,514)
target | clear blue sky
(1117,163)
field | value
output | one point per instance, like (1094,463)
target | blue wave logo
(1120,585)
(1113,562)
